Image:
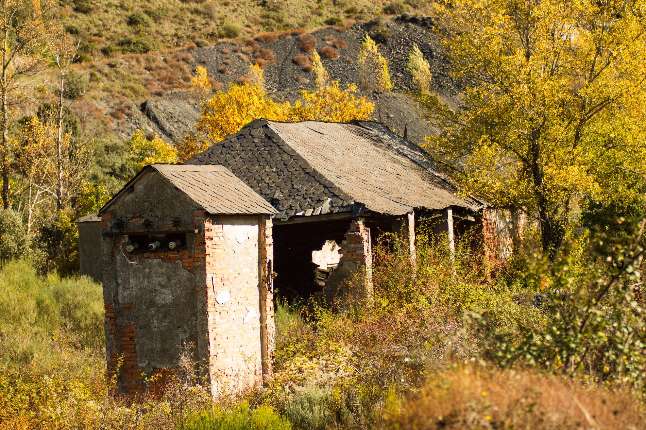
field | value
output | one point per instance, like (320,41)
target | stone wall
(90,248)
(211,299)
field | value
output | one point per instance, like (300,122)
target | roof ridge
(185,179)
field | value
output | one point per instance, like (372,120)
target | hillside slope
(151,91)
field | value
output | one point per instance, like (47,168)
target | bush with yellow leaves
(374,74)
(144,151)
(227,111)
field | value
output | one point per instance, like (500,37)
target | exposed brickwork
(161,304)
(356,263)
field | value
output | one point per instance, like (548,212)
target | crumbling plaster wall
(214,295)
(151,302)
(234,283)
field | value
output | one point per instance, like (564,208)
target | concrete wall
(90,249)
(211,299)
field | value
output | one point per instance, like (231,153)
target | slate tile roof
(213,188)
(312,168)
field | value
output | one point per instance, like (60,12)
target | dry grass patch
(487,398)
(303,61)
(306,42)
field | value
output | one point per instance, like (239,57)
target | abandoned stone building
(190,254)
(186,263)
(337,187)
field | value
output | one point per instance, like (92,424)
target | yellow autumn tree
(329,101)
(420,70)
(200,80)
(374,74)
(144,151)
(227,111)
(321,75)
(553,114)
(50,167)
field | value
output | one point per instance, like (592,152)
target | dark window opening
(140,243)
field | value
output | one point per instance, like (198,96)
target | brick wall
(212,299)
(352,279)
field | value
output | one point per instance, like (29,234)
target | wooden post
(449,224)
(411,240)
(265,289)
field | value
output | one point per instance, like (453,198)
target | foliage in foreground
(475,397)
(240,417)
(419,356)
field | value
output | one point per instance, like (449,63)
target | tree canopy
(553,109)
(227,111)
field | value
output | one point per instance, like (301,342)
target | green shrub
(594,318)
(58,242)
(311,408)
(395,8)
(155,13)
(83,6)
(240,417)
(230,30)
(73,30)
(85,51)
(75,86)
(135,45)
(333,20)
(14,242)
(138,19)
(108,50)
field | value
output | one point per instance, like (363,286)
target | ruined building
(187,254)
(337,187)
(186,263)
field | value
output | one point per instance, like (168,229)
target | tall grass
(483,397)
(410,359)
(43,315)
(51,347)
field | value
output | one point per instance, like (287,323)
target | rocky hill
(287,70)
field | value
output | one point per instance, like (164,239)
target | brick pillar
(266,290)
(202,244)
(356,259)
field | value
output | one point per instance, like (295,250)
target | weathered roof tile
(361,164)
(214,188)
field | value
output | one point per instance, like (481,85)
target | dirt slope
(172,113)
